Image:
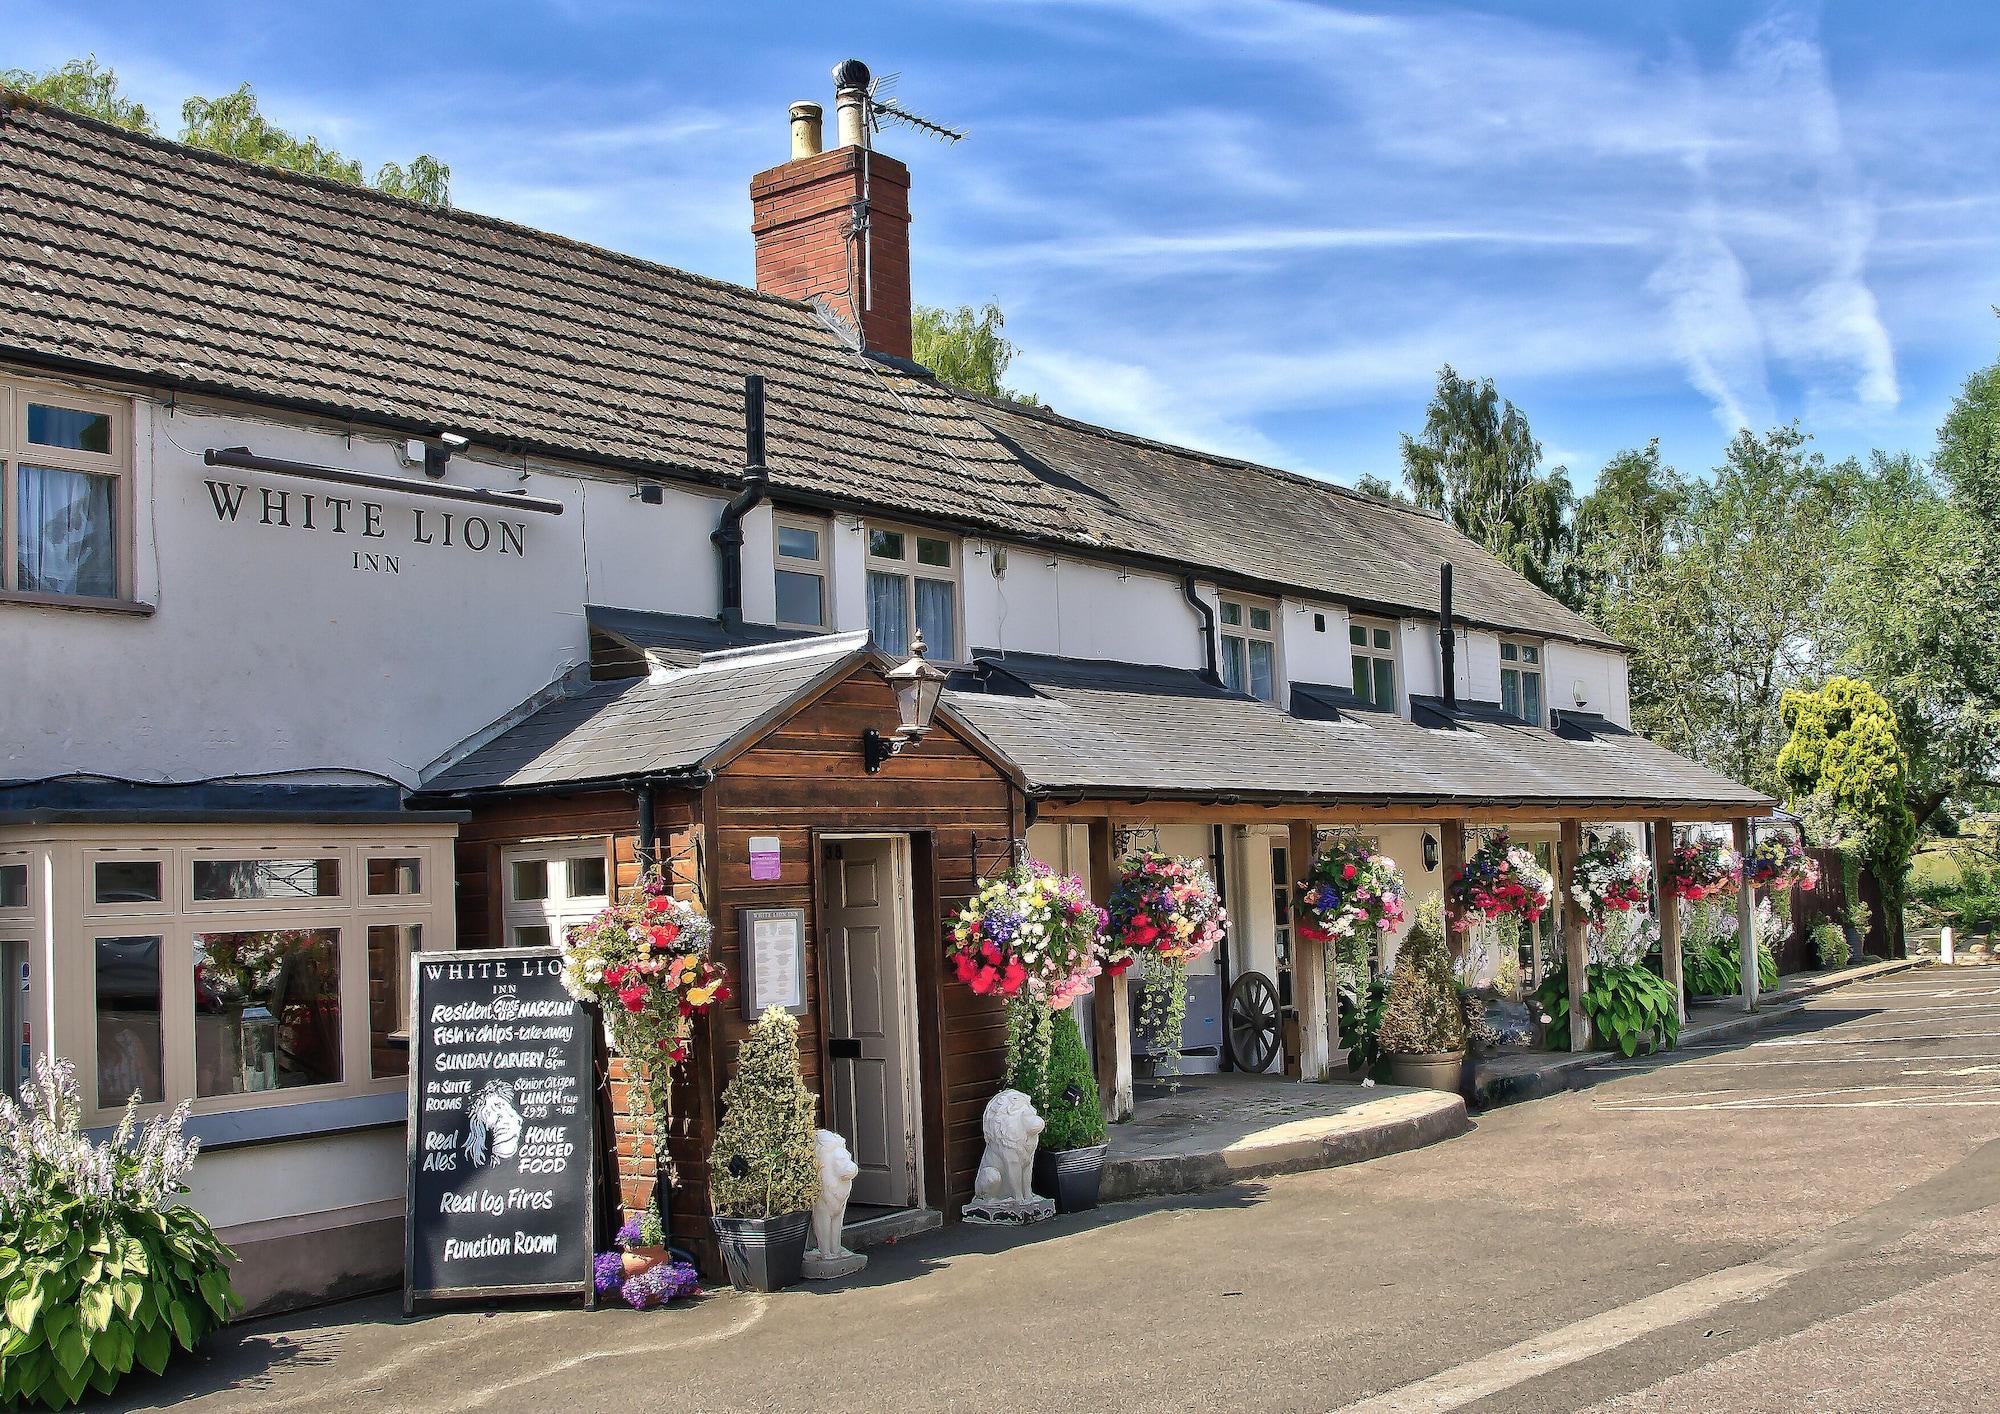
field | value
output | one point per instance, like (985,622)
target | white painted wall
(1312,643)
(317,1175)
(1020,599)
(1595,675)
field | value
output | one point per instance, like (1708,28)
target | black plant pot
(763,1254)
(1070,1176)
(1857,946)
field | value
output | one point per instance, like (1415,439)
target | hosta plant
(1630,1008)
(102,1268)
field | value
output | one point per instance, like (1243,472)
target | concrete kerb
(1491,1088)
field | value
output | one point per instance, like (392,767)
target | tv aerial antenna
(883,106)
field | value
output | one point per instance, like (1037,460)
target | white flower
(1366,1083)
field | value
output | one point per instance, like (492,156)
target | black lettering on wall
(227,497)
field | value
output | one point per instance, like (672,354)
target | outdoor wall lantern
(918,685)
(1430,852)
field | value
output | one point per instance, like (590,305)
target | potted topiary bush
(102,1267)
(1423,1024)
(1859,919)
(1829,945)
(1069,1165)
(763,1171)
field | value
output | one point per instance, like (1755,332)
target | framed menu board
(772,943)
(503,1130)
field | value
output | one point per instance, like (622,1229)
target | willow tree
(966,348)
(1477,464)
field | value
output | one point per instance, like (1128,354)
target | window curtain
(937,618)
(888,612)
(65,532)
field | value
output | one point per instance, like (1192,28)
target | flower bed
(1500,880)
(1703,868)
(1610,878)
(1350,890)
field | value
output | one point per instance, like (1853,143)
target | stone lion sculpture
(836,1176)
(1012,1128)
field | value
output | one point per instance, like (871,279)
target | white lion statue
(1012,1128)
(836,1176)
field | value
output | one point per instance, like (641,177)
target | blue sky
(1256,226)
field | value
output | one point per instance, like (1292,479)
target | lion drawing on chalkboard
(495,1132)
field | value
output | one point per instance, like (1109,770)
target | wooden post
(1451,859)
(1668,912)
(1111,1018)
(1575,961)
(1310,965)
(1746,917)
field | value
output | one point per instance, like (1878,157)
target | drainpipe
(649,833)
(728,533)
(1209,672)
(1447,644)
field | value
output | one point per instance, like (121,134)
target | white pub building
(376,577)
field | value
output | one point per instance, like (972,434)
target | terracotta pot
(1434,1070)
(642,1259)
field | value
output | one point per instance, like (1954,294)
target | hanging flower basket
(1610,878)
(1350,891)
(1779,862)
(644,962)
(1500,880)
(1162,907)
(1031,934)
(1705,868)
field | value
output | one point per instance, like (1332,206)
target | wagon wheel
(1253,1022)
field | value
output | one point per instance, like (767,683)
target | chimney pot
(851,109)
(808,125)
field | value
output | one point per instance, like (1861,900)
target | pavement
(1808,1217)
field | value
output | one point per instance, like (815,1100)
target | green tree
(1369,484)
(1968,452)
(1477,464)
(1619,532)
(966,349)
(82,87)
(231,124)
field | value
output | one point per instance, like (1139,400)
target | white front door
(869,1005)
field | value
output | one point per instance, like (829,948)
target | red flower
(966,967)
(1347,871)
(721,992)
(983,981)
(613,976)
(659,903)
(991,950)
(1011,981)
(664,935)
(634,998)
(1117,969)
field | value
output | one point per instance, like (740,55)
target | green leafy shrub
(1065,1094)
(1630,1007)
(1829,944)
(100,1267)
(763,1164)
(1860,917)
(1361,1007)
(1423,1014)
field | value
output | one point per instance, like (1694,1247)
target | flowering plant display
(644,962)
(1031,934)
(1162,907)
(655,1286)
(1610,878)
(1705,867)
(1779,862)
(244,969)
(1165,910)
(1500,880)
(1349,888)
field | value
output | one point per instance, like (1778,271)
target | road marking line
(1869,1040)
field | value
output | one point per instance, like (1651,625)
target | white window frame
(1377,654)
(17,947)
(15,397)
(910,571)
(820,568)
(557,911)
(1521,670)
(1245,632)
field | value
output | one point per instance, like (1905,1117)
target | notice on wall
(503,1138)
(765,858)
(773,945)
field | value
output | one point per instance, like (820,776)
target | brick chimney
(837,224)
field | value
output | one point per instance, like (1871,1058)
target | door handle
(843,1048)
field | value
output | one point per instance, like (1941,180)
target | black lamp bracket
(876,749)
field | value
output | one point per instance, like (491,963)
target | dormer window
(1249,648)
(1372,650)
(1521,680)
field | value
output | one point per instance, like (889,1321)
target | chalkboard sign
(503,1140)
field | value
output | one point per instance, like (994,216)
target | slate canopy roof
(185,270)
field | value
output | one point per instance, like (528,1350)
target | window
(130,1052)
(64,503)
(266,1010)
(1281,915)
(1521,680)
(13,886)
(802,571)
(246,880)
(392,876)
(551,887)
(1249,648)
(1372,647)
(126,881)
(390,947)
(913,579)
(15,1037)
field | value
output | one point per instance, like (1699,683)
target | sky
(1252,226)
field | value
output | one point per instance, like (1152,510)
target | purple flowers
(608,1272)
(658,1285)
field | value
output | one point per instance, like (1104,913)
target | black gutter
(1447,641)
(691,779)
(728,533)
(1209,672)
(243,459)
(688,474)
(1278,800)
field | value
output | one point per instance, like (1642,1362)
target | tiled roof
(622,640)
(1116,729)
(145,259)
(637,727)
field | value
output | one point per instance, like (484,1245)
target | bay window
(1249,644)
(1521,680)
(913,582)
(801,571)
(64,494)
(1372,650)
